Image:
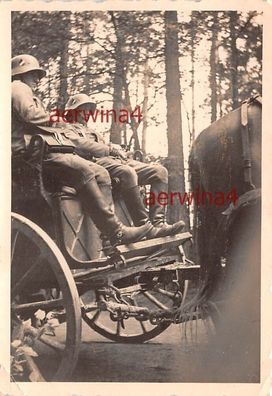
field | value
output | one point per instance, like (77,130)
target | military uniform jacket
(86,141)
(27,110)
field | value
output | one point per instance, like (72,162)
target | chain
(120,304)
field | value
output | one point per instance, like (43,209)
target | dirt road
(174,356)
(179,354)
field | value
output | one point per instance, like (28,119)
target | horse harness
(245,140)
(252,194)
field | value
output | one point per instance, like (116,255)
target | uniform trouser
(92,183)
(131,173)
(157,176)
(74,171)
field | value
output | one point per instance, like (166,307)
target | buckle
(116,239)
(119,236)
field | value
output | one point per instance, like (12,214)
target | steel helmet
(24,63)
(79,99)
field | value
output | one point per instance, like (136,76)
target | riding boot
(139,215)
(98,205)
(106,191)
(157,211)
(135,206)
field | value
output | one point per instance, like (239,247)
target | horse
(225,162)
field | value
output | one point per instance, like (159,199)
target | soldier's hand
(69,134)
(129,154)
(117,151)
(115,146)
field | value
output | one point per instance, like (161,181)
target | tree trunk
(115,131)
(233,58)
(86,80)
(116,128)
(192,137)
(145,105)
(124,133)
(220,80)
(63,71)
(213,67)
(120,84)
(133,124)
(174,126)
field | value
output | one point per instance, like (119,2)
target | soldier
(91,181)
(128,171)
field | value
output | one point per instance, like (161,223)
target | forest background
(183,69)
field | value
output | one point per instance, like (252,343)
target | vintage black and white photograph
(135,249)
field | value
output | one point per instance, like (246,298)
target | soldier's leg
(84,175)
(150,173)
(128,187)
(157,176)
(132,197)
(127,176)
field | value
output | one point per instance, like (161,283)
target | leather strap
(245,141)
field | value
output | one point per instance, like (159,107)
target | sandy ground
(173,356)
(191,354)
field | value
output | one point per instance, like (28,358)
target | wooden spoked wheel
(133,329)
(41,281)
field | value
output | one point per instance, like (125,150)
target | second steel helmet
(24,63)
(79,99)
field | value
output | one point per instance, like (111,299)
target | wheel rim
(31,270)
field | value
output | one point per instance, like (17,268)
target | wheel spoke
(51,342)
(184,294)
(165,293)
(96,315)
(51,304)
(118,328)
(134,301)
(154,300)
(27,277)
(143,326)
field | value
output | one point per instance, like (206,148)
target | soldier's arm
(28,108)
(114,149)
(87,148)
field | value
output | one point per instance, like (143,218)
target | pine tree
(174,126)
